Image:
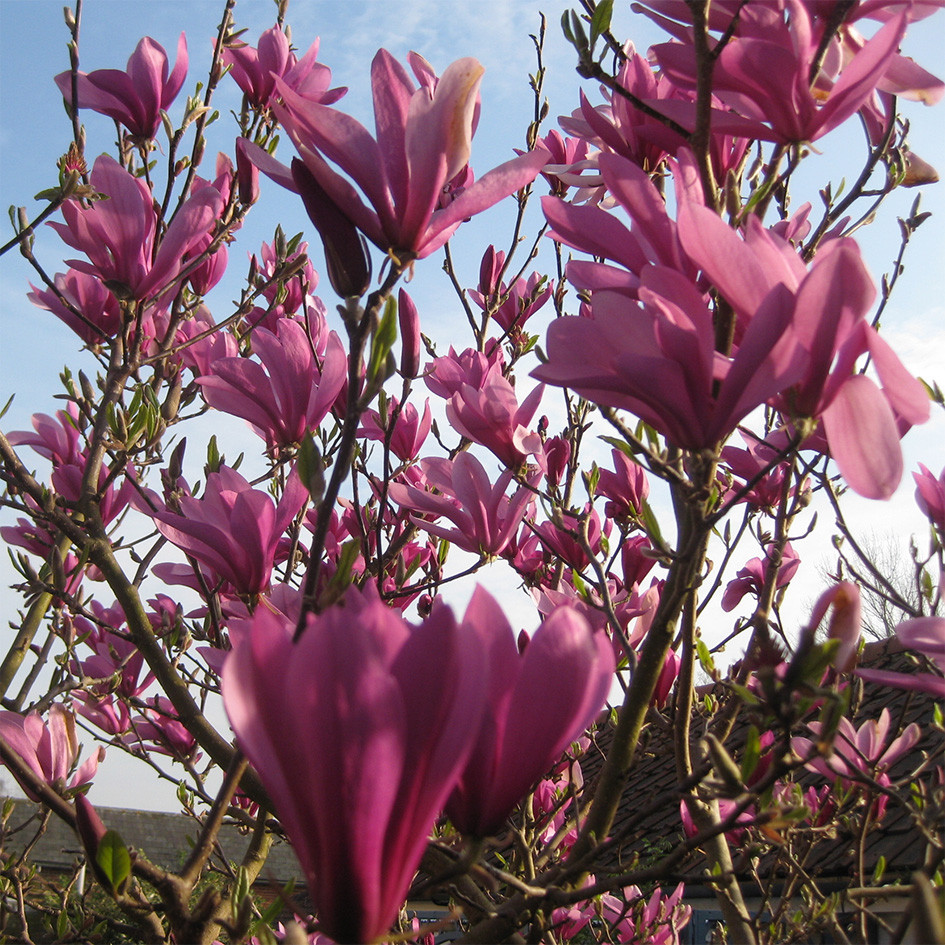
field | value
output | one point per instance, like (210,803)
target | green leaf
(214,457)
(752,753)
(113,859)
(241,890)
(383,342)
(705,657)
(62,925)
(600,21)
(311,468)
(274,910)
(652,525)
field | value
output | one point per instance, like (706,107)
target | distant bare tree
(895,584)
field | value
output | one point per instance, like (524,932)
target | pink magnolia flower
(106,712)
(49,749)
(423,142)
(930,495)
(563,541)
(826,310)
(557,455)
(539,701)
(284,297)
(845,621)
(491,416)
(285,396)
(200,344)
(233,528)
(749,465)
(446,375)
(927,635)
(567,158)
(409,431)
(626,488)
(137,96)
(160,730)
(408,319)
(667,679)
(101,315)
(116,663)
(524,296)
(653,237)
(485,518)
(119,235)
(658,359)
(764,74)
(750,579)
(256,70)
(358,732)
(857,751)
(552,803)
(726,809)
(56,438)
(620,127)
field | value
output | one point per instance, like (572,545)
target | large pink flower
(483,516)
(857,751)
(423,142)
(764,74)
(137,96)
(358,732)
(539,701)
(233,528)
(287,392)
(49,749)
(256,70)
(120,234)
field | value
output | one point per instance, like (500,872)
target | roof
(648,822)
(164,838)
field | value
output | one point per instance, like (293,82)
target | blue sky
(34,133)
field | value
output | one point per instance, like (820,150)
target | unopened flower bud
(409,319)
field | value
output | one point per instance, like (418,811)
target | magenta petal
(493,186)
(864,439)
(907,395)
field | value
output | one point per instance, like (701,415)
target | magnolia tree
(715,331)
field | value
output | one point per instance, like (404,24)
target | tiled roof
(648,822)
(164,838)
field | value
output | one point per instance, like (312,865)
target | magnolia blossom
(764,74)
(423,142)
(483,516)
(751,578)
(522,299)
(358,733)
(626,488)
(446,375)
(256,70)
(233,528)
(930,495)
(84,296)
(137,96)
(491,416)
(120,235)
(927,636)
(409,431)
(539,701)
(843,601)
(49,749)
(56,438)
(866,750)
(287,392)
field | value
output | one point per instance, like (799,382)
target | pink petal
(864,439)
